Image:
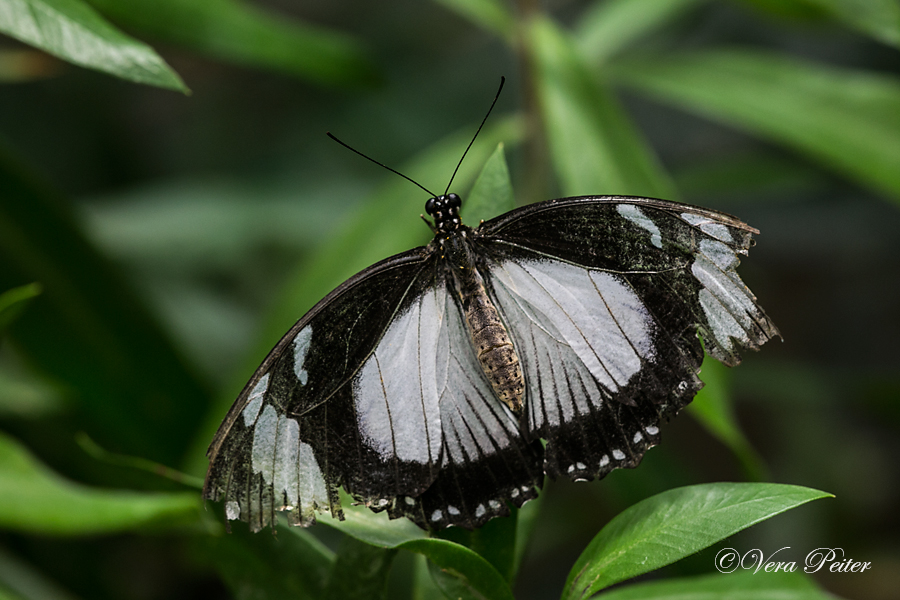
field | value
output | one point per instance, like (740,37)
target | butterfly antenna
(483,121)
(432,194)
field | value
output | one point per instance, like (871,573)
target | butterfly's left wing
(604,298)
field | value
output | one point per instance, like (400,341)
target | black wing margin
(605,298)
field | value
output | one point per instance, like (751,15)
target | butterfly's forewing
(604,297)
(314,415)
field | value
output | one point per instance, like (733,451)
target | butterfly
(424,384)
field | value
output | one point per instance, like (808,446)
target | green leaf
(669,526)
(492,15)
(609,26)
(733,586)
(38,500)
(495,541)
(594,146)
(845,119)
(243,33)
(492,194)
(879,19)
(389,223)
(73,31)
(713,409)
(292,564)
(360,571)
(470,571)
(90,332)
(13,301)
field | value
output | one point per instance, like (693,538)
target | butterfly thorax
(490,338)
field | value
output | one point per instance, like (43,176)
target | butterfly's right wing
(316,414)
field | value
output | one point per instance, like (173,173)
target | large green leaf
(730,586)
(360,571)
(73,31)
(88,330)
(609,26)
(669,526)
(37,500)
(241,32)
(594,146)
(846,119)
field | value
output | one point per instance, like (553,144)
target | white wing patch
(287,464)
(254,400)
(301,347)
(580,334)
(395,392)
(637,216)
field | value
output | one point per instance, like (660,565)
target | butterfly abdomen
(490,339)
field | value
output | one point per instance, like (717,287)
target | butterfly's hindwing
(485,460)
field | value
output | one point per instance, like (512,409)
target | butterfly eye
(453,201)
(430,206)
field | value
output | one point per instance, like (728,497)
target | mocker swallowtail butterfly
(424,384)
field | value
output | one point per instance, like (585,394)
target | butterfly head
(445,211)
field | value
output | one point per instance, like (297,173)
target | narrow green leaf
(243,33)
(360,571)
(609,26)
(389,223)
(135,462)
(90,332)
(669,526)
(37,500)
(13,301)
(73,31)
(373,528)
(713,409)
(595,148)
(879,19)
(292,564)
(845,119)
(492,193)
(733,586)
(492,15)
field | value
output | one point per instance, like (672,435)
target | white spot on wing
(480,510)
(618,454)
(652,429)
(232,510)
(453,510)
(301,347)
(638,436)
(709,226)
(255,400)
(604,460)
(637,216)
(437,516)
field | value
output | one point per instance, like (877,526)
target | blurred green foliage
(155,244)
